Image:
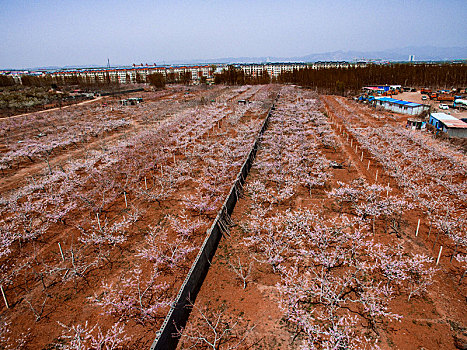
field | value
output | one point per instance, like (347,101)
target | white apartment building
(139,73)
(273,69)
(134,74)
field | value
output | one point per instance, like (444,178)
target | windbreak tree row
(352,79)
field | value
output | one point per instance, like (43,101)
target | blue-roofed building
(449,124)
(400,106)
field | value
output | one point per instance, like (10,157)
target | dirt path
(349,144)
(56,108)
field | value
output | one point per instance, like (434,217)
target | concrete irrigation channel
(168,336)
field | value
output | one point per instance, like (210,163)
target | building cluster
(275,69)
(129,75)
(381,96)
(384,90)
(139,74)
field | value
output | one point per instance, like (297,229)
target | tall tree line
(351,80)
(6,80)
(236,76)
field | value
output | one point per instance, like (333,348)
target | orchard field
(104,206)
(324,250)
(103,209)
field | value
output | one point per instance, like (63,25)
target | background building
(448,124)
(400,106)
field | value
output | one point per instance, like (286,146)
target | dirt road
(55,109)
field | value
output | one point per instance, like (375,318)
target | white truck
(460,103)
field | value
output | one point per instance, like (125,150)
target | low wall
(177,317)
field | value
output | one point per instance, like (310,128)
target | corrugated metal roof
(449,120)
(399,102)
(443,116)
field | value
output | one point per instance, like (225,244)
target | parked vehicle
(424,97)
(443,106)
(441,96)
(445,97)
(460,103)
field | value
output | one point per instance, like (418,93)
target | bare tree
(213,329)
(241,270)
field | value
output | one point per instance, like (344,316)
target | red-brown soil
(37,283)
(435,320)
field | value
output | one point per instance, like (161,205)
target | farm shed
(450,125)
(372,89)
(382,88)
(400,106)
(131,101)
(416,124)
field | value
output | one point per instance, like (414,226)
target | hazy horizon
(65,33)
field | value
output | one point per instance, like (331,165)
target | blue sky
(48,33)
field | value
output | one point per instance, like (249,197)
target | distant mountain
(421,53)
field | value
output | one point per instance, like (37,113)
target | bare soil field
(104,207)
(326,250)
